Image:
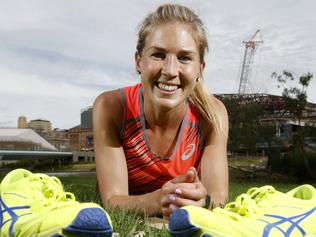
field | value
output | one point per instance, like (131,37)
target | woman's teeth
(167,87)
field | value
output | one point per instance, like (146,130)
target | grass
(128,223)
(125,223)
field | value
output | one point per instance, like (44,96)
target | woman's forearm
(149,203)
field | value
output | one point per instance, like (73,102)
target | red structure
(251,46)
(272,105)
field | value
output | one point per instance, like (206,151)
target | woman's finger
(189,177)
(196,193)
(181,202)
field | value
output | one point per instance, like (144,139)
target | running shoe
(261,212)
(36,205)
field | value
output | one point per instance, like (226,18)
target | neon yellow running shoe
(35,205)
(259,212)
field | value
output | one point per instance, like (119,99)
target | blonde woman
(161,144)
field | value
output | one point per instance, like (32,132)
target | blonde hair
(200,97)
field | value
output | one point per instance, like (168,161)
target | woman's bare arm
(110,158)
(214,166)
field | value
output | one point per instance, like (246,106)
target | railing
(19,155)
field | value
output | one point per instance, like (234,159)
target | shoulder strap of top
(131,101)
(131,107)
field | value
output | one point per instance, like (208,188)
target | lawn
(128,223)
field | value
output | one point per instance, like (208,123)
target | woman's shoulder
(108,108)
(108,99)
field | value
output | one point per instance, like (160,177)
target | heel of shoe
(90,222)
(180,225)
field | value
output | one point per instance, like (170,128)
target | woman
(161,144)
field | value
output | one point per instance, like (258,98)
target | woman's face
(169,65)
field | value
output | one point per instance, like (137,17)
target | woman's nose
(170,66)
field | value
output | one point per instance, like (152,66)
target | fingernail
(178,191)
(173,207)
(172,197)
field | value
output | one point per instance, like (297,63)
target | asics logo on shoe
(188,152)
(5,210)
(281,220)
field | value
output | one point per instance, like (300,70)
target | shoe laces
(259,194)
(247,203)
(49,192)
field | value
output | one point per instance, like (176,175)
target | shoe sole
(90,222)
(180,225)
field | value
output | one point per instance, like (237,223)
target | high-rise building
(86,117)
(22,122)
(81,136)
(41,126)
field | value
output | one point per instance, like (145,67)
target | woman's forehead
(172,35)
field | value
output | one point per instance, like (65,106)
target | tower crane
(250,48)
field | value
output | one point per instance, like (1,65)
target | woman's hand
(183,190)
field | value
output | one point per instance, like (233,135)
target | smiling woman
(161,144)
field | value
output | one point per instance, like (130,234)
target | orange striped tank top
(148,171)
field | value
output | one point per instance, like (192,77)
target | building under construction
(274,111)
(273,106)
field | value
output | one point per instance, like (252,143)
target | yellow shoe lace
(48,192)
(260,193)
(246,204)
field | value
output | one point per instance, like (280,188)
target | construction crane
(250,48)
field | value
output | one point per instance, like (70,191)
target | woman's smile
(167,87)
(169,65)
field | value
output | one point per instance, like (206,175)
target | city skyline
(56,57)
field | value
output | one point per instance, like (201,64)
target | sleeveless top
(148,171)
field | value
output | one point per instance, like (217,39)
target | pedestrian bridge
(7,155)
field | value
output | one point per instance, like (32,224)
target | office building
(22,122)
(41,126)
(86,117)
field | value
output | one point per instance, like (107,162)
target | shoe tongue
(16,176)
(304,192)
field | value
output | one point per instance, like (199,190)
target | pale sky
(57,56)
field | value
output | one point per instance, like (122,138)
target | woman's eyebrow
(157,48)
(183,51)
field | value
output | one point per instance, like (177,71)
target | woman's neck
(163,118)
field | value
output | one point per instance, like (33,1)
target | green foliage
(275,164)
(37,164)
(294,163)
(245,130)
(297,160)
(295,97)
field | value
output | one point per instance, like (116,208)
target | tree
(243,125)
(267,136)
(295,98)
(295,101)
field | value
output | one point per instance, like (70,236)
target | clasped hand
(181,191)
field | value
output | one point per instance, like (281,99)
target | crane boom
(250,48)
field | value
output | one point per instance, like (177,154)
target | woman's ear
(202,67)
(137,62)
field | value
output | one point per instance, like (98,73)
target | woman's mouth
(167,87)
